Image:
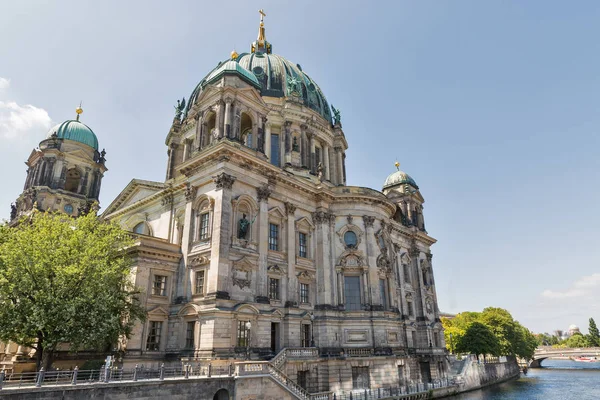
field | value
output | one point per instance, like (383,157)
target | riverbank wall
(475,374)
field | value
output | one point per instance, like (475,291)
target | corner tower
(64,173)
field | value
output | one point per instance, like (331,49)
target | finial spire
(397,164)
(79,111)
(261,45)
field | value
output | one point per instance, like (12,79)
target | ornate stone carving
(429,257)
(275,269)
(368,220)
(263,193)
(414,252)
(241,280)
(190,191)
(224,181)
(290,208)
(167,200)
(321,217)
(349,218)
(195,261)
(305,275)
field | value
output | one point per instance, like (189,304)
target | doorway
(425,372)
(274,337)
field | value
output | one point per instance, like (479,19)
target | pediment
(304,222)
(158,312)
(135,191)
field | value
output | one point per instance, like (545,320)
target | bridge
(541,353)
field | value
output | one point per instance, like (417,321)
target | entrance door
(274,337)
(425,372)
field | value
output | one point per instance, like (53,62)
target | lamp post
(312,330)
(248,326)
(451,345)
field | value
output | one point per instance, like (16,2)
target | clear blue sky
(493,107)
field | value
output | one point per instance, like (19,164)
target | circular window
(68,208)
(311,87)
(350,239)
(258,70)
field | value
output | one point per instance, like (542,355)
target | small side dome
(234,68)
(399,178)
(573,328)
(76,131)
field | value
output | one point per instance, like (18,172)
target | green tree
(576,341)
(594,335)
(478,339)
(65,280)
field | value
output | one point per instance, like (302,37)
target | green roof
(233,67)
(76,131)
(399,178)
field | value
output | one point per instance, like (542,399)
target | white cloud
(584,287)
(20,122)
(4,83)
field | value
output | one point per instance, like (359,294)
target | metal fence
(106,375)
(382,393)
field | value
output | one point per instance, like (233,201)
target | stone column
(263,193)
(228,118)
(288,142)
(324,288)
(313,167)
(339,174)
(219,273)
(372,276)
(260,139)
(268,141)
(186,238)
(291,253)
(198,140)
(419,302)
(332,166)
(219,120)
(326,161)
(303,146)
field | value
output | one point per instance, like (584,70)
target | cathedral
(254,247)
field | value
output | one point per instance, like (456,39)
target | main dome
(277,77)
(76,131)
(272,74)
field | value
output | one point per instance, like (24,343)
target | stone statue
(13,211)
(243,227)
(295,146)
(179,108)
(337,117)
(320,171)
(102,158)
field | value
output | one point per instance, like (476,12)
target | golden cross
(262,14)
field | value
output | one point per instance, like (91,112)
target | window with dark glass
(154,331)
(189,335)
(401,379)
(352,292)
(273,237)
(200,282)
(141,229)
(414,338)
(159,286)
(317,156)
(436,339)
(350,239)
(305,332)
(303,379)
(275,158)
(302,244)
(304,293)
(383,292)
(204,226)
(242,334)
(274,289)
(360,377)
(409,305)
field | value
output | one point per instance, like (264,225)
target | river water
(558,380)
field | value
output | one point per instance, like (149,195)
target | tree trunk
(39,352)
(47,358)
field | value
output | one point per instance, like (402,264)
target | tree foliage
(65,280)
(594,335)
(512,338)
(478,339)
(577,340)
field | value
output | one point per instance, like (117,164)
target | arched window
(246,130)
(350,239)
(141,229)
(73,179)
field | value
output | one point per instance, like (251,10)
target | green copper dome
(274,76)
(76,131)
(399,178)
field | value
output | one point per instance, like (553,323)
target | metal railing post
(162,372)
(209,370)
(2,376)
(187,371)
(40,378)
(74,379)
(135,372)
